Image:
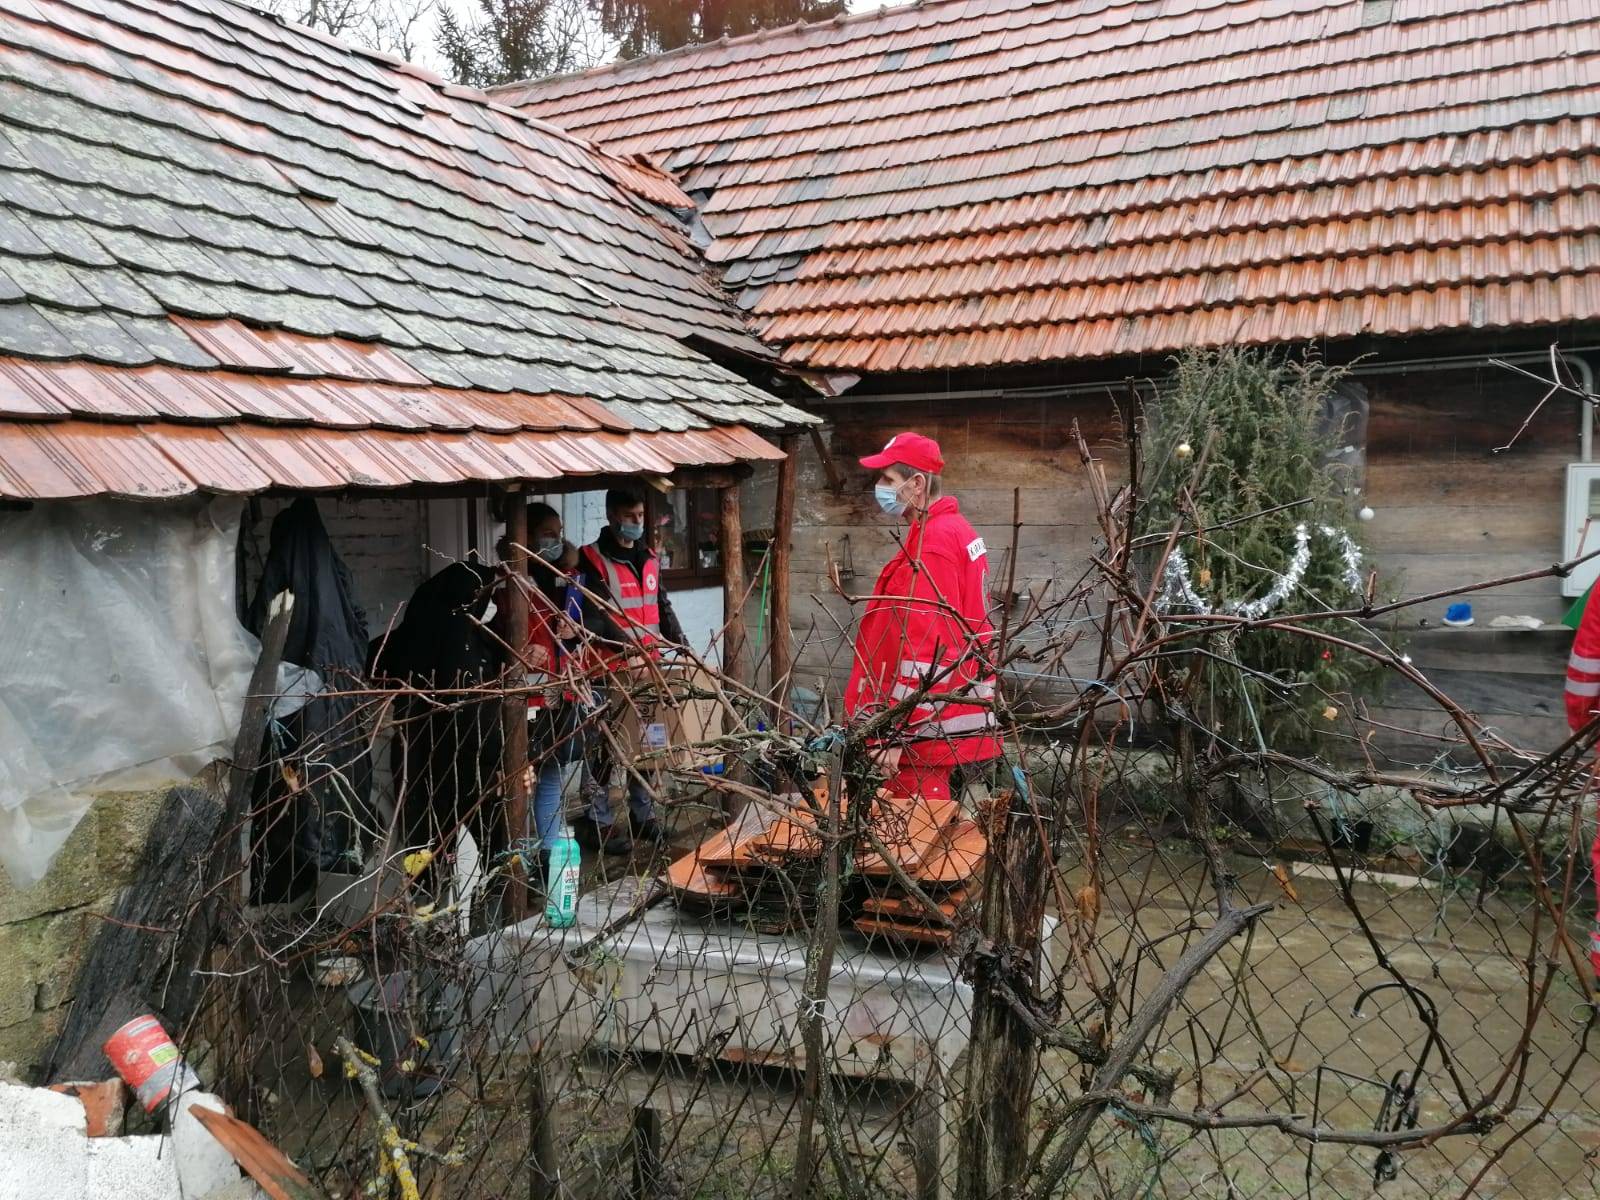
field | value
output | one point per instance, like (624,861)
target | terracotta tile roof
(978,182)
(241,247)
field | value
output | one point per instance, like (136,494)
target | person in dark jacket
(324,738)
(447,752)
(628,616)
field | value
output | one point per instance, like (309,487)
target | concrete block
(130,1168)
(671,982)
(204,1164)
(43,1145)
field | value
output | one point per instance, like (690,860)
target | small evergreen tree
(1235,435)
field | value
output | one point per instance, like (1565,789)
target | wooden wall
(1447,510)
(991,448)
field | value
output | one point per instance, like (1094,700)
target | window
(688,536)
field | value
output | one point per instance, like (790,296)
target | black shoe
(587,833)
(616,841)
(650,831)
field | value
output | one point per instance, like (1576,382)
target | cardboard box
(678,725)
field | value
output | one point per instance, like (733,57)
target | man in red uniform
(926,628)
(1583,702)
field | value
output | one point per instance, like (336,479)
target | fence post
(1003,1058)
(646,1153)
(542,1179)
(733,637)
(515,715)
(782,547)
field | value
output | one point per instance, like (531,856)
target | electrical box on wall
(1582,529)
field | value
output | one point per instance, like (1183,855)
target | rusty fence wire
(1178,965)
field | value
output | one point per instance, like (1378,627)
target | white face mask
(548,548)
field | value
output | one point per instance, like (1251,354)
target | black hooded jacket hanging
(323,740)
(447,752)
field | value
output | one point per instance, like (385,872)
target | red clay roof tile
(1139,177)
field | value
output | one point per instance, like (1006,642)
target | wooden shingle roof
(236,254)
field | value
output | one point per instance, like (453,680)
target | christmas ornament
(1330,713)
(1183,451)
(1178,589)
(1366,513)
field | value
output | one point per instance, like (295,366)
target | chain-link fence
(1127,958)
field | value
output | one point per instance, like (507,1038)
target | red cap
(910,448)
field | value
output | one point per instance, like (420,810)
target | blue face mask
(548,549)
(888,498)
(632,532)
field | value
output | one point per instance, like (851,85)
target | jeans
(547,803)
(639,803)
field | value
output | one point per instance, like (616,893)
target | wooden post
(258,700)
(815,1093)
(543,1176)
(927,1130)
(514,762)
(733,664)
(646,1153)
(778,636)
(1004,1054)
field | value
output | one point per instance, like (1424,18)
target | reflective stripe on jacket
(1583,669)
(927,627)
(637,596)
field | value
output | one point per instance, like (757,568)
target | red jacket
(1583,669)
(929,616)
(542,618)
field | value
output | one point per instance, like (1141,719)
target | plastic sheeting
(122,663)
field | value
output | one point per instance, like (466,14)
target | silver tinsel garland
(1178,589)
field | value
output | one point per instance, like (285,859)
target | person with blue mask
(627,615)
(553,677)
(925,634)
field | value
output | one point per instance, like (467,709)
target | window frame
(699,502)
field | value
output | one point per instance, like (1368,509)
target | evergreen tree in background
(647,26)
(1245,445)
(509,40)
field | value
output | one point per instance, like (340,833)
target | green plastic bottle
(561,892)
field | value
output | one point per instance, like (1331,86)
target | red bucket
(148,1062)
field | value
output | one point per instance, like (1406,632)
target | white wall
(583,515)
(380,540)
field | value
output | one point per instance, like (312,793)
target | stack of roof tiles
(766,876)
(235,255)
(970,183)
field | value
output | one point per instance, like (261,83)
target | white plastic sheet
(122,663)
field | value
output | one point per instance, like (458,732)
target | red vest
(542,632)
(638,600)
